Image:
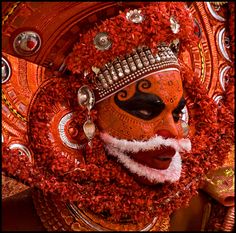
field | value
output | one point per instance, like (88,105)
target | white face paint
(120,147)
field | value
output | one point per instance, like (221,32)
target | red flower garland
(102,179)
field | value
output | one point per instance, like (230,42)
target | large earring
(86,99)
(185,128)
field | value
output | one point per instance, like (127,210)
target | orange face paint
(167,85)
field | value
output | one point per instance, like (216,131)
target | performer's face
(149,107)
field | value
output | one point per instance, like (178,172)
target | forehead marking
(155,72)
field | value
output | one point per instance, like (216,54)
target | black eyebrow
(147,98)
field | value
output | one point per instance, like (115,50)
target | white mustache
(171,174)
(155,142)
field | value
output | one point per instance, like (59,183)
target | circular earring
(86,99)
(185,128)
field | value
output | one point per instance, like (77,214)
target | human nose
(167,128)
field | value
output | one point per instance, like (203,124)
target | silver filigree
(174,25)
(6,70)
(27,43)
(86,97)
(135,16)
(62,132)
(89,129)
(22,150)
(213,12)
(119,72)
(221,44)
(102,42)
(217,99)
(95,69)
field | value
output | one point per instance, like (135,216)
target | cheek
(120,124)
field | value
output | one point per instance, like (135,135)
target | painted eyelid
(150,108)
(136,105)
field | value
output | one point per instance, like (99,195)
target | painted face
(149,107)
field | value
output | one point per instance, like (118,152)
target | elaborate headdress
(127,47)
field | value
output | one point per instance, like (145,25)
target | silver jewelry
(174,25)
(86,99)
(102,42)
(135,16)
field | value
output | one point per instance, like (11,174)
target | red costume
(115,113)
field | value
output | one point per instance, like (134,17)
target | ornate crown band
(122,72)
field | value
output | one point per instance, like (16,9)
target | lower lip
(151,160)
(161,164)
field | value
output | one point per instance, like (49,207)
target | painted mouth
(157,159)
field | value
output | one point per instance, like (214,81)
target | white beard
(119,147)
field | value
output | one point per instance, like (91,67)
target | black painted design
(143,84)
(142,105)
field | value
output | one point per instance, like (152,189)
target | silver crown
(121,72)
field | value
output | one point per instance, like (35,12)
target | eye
(145,112)
(142,105)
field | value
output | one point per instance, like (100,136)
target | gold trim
(206,216)
(229,224)
(202,62)
(219,3)
(12,110)
(10,12)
